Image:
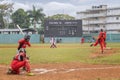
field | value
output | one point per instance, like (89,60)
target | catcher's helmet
(27,37)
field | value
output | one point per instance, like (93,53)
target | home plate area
(63,70)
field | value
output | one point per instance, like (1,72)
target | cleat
(102,52)
(9,71)
(91,45)
(24,68)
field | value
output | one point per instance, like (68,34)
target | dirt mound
(107,52)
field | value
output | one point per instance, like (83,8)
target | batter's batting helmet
(27,37)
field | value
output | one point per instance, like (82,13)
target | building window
(108,10)
(96,18)
(117,18)
(62,32)
(103,26)
(46,27)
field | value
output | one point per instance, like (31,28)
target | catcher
(19,61)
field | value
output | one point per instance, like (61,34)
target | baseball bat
(20,29)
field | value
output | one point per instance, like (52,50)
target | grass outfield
(41,53)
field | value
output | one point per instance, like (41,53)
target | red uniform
(20,60)
(100,40)
(82,40)
(104,39)
(23,43)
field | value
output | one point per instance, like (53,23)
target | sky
(52,7)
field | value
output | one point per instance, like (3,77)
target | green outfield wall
(13,38)
(64,39)
(110,37)
(35,38)
(88,38)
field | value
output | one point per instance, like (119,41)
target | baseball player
(19,61)
(53,43)
(24,42)
(100,40)
(82,40)
(104,33)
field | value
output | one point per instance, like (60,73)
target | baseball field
(66,62)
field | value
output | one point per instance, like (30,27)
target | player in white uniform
(53,43)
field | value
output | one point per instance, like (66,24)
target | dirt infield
(66,71)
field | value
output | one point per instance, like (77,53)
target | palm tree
(5,10)
(36,15)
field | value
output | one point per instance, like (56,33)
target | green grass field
(41,53)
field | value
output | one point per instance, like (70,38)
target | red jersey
(23,43)
(82,40)
(104,33)
(101,35)
(20,60)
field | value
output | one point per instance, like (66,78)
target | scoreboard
(63,28)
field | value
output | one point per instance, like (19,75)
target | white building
(100,17)
(17,31)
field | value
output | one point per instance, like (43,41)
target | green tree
(21,18)
(61,17)
(36,15)
(5,10)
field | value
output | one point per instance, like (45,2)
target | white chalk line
(43,70)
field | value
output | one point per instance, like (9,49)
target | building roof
(10,29)
(115,8)
(98,9)
(27,29)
